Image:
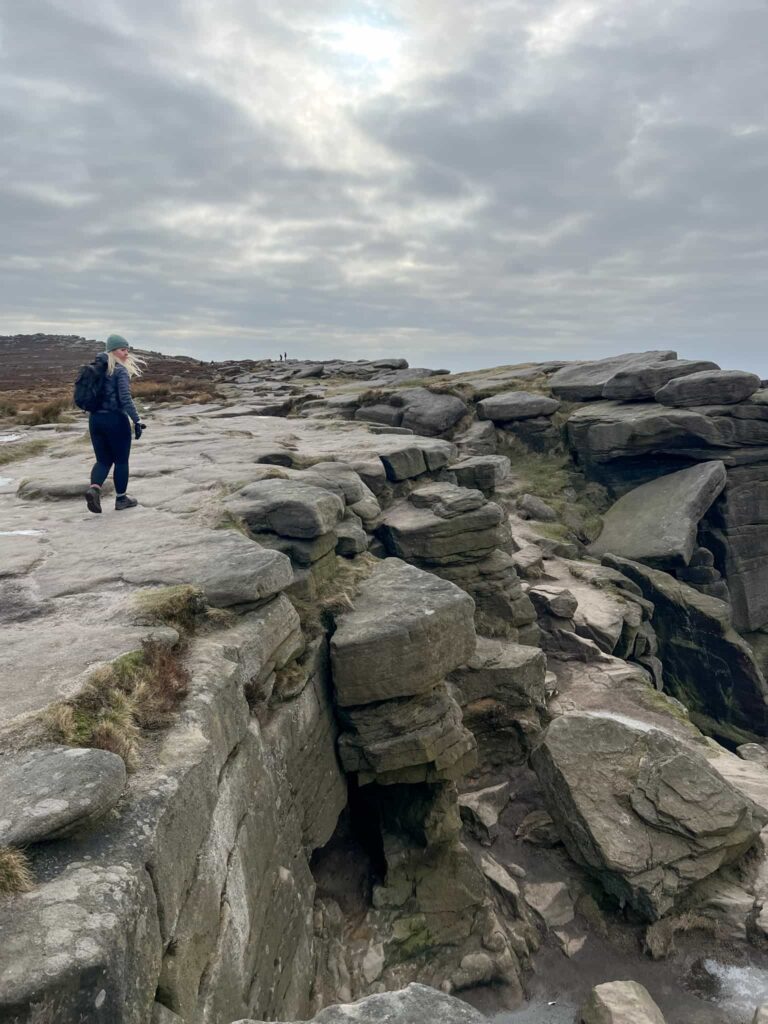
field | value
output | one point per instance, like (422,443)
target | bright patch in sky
(368,42)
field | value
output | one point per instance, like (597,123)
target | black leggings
(111,440)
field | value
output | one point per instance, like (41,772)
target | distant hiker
(111,412)
(285,356)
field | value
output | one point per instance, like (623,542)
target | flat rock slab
(510,673)
(645,816)
(407,630)
(516,405)
(416,1004)
(289,508)
(620,1002)
(53,792)
(582,382)
(642,382)
(430,414)
(657,522)
(443,528)
(709,387)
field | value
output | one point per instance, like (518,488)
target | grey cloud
(505,200)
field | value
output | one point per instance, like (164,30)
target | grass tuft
(45,412)
(334,595)
(15,873)
(179,606)
(140,690)
(18,450)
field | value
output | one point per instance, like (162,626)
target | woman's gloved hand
(138,429)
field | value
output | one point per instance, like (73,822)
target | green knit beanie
(116,341)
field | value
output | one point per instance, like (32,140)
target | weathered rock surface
(580,382)
(430,414)
(707,665)
(288,508)
(408,629)
(645,816)
(416,1004)
(516,405)
(642,382)
(481,808)
(54,792)
(657,522)
(620,1002)
(709,387)
(484,472)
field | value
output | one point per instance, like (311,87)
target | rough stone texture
(552,600)
(501,607)
(531,506)
(707,665)
(620,1002)
(645,816)
(761,1015)
(56,791)
(430,414)
(416,1004)
(442,533)
(657,522)
(643,382)
(387,414)
(288,508)
(481,808)
(709,387)
(516,405)
(412,739)
(484,472)
(407,630)
(580,382)
(478,439)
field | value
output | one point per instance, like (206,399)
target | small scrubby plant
(334,595)
(19,450)
(15,873)
(179,606)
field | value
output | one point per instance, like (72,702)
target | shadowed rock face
(707,665)
(648,818)
(581,382)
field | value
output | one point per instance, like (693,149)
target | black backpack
(89,385)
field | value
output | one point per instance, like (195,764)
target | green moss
(18,450)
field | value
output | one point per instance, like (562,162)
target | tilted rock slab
(289,508)
(620,1002)
(407,630)
(647,817)
(53,792)
(416,1004)
(709,387)
(430,414)
(657,522)
(516,405)
(582,382)
(642,382)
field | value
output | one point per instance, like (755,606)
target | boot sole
(93,501)
(124,508)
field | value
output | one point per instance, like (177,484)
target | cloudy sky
(464,183)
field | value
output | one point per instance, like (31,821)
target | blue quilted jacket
(116,396)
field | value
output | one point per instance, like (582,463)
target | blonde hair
(134,364)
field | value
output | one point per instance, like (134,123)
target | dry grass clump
(18,450)
(660,936)
(44,412)
(179,606)
(174,391)
(140,690)
(15,873)
(334,595)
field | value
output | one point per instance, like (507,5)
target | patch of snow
(633,723)
(742,989)
(7,438)
(5,480)
(21,533)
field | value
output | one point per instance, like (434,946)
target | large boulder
(582,382)
(53,792)
(707,665)
(428,413)
(646,816)
(709,387)
(620,1002)
(416,1004)
(516,405)
(642,382)
(289,508)
(407,630)
(657,522)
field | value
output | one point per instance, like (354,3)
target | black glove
(138,429)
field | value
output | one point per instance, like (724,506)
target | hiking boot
(125,501)
(93,498)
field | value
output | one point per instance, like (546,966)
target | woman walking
(112,424)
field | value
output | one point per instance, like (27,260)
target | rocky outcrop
(415,1004)
(645,816)
(640,383)
(709,387)
(707,665)
(583,381)
(657,523)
